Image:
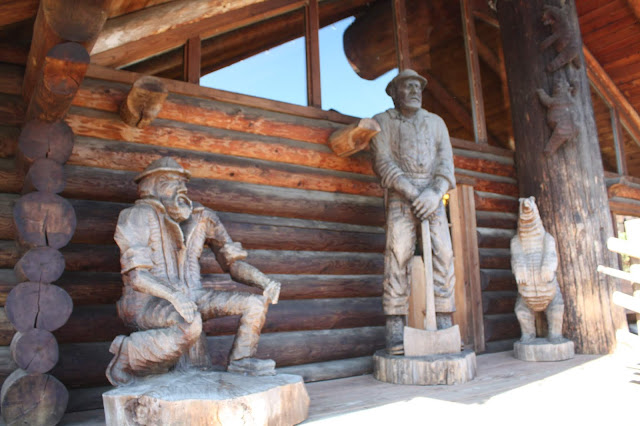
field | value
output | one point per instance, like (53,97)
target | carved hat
(163,164)
(405,75)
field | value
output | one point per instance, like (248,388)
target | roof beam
(135,36)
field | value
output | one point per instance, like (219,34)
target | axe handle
(430,318)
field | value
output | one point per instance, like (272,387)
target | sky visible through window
(280,74)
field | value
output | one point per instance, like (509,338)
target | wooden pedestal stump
(447,369)
(541,349)
(208,398)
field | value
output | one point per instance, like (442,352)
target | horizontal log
(501,327)
(497,280)
(502,154)
(98,258)
(12,110)
(106,96)
(143,102)
(172,134)
(624,206)
(135,157)
(62,72)
(118,186)
(43,219)
(331,370)
(486,183)
(84,364)
(624,188)
(100,323)
(494,238)
(40,139)
(8,141)
(495,202)
(500,346)
(187,89)
(45,175)
(40,264)
(498,220)
(498,302)
(32,399)
(91,288)
(35,351)
(36,305)
(97,224)
(353,138)
(495,258)
(485,163)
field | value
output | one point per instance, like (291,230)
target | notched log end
(353,138)
(144,102)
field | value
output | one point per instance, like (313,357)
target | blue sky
(280,74)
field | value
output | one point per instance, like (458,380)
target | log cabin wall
(311,219)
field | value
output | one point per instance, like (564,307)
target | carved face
(528,206)
(408,95)
(171,190)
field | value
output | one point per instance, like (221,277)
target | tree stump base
(445,369)
(208,398)
(541,349)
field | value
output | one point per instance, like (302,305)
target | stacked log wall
(311,219)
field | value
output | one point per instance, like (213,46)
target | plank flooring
(587,390)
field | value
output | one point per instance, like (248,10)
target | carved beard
(178,206)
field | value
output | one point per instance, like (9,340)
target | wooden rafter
(473,71)
(606,86)
(451,104)
(192,55)
(113,49)
(59,21)
(312,50)
(618,142)
(400,34)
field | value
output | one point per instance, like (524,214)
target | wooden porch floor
(585,390)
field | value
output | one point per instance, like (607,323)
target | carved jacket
(149,239)
(416,148)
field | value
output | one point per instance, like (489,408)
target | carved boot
(118,369)
(253,367)
(394,334)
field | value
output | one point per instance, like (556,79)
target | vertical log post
(568,184)
(473,71)
(618,142)
(192,60)
(312,43)
(468,315)
(401,35)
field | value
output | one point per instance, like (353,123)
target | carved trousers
(165,336)
(402,228)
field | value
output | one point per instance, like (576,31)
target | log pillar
(569,183)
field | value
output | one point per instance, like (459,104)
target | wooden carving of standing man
(413,158)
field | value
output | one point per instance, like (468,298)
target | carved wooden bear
(534,261)
(560,107)
(566,42)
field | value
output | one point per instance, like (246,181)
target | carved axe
(430,341)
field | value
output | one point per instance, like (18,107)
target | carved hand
(185,307)
(272,291)
(426,203)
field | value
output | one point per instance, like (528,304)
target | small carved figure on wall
(161,239)
(563,37)
(560,113)
(534,261)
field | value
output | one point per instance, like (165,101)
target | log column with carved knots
(45,222)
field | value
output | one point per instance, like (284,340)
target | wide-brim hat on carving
(164,164)
(405,75)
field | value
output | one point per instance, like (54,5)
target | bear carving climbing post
(569,183)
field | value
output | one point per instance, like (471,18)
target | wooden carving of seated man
(161,239)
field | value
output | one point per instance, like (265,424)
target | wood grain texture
(574,208)
(44,219)
(35,350)
(40,264)
(36,305)
(43,394)
(40,139)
